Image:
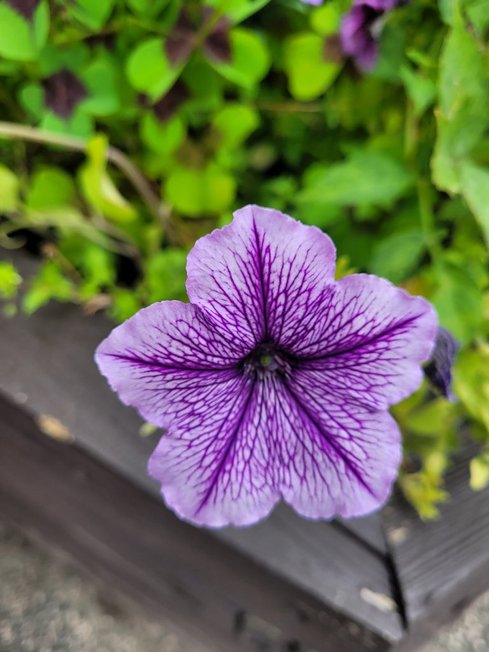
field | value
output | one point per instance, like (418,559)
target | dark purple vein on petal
(328,439)
(359,345)
(261,274)
(231,442)
(162,365)
(286,290)
(310,451)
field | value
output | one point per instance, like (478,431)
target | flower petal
(369,343)
(258,277)
(342,459)
(247,444)
(215,464)
(439,368)
(357,35)
(162,356)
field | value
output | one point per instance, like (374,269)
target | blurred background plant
(129,128)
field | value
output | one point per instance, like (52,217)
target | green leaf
(125,303)
(19,39)
(9,190)
(432,419)
(309,73)
(278,192)
(54,58)
(326,20)
(398,255)
(162,137)
(10,280)
(475,189)
(391,55)
(463,95)
(478,13)
(31,98)
(80,124)
(365,178)
(319,214)
(99,189)
(147,8)
(479,471)
(459,303)
(234,123)
(149,70)
(165,275)
(424,493)
(147,430)
(98,267)
(448,10)
(48,284)
(471,383)
(92,13)
(205,86)
(67,220)
(421,90)
(238,10)
(50,188)
(101,80)
(197,193)
(250,59)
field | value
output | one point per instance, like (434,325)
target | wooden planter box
(287,584)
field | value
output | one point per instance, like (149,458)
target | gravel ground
(47,606)
(469,633)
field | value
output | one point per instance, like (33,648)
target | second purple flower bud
(361,28)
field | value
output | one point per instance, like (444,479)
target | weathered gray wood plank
(444,564)
(370,530)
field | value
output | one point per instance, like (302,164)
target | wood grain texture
(126,537)
(444,564)
(47,365)
(370,530)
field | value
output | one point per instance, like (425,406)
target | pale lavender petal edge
(216,466)
(159,354)
(257,276)
(371,342)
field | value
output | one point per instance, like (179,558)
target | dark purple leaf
(168,105)
(181,41)
(63,92)
(217,46)
(25,8)
(333,51)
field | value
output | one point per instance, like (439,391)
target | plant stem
(115,27)
(290,107)
(13,131)
(428,223)
(411,134)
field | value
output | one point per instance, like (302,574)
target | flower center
(265,359)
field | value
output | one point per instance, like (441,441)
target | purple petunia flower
(274,383)
(360,30)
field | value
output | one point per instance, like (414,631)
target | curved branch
(11,130)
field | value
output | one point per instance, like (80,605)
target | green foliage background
(394,165)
